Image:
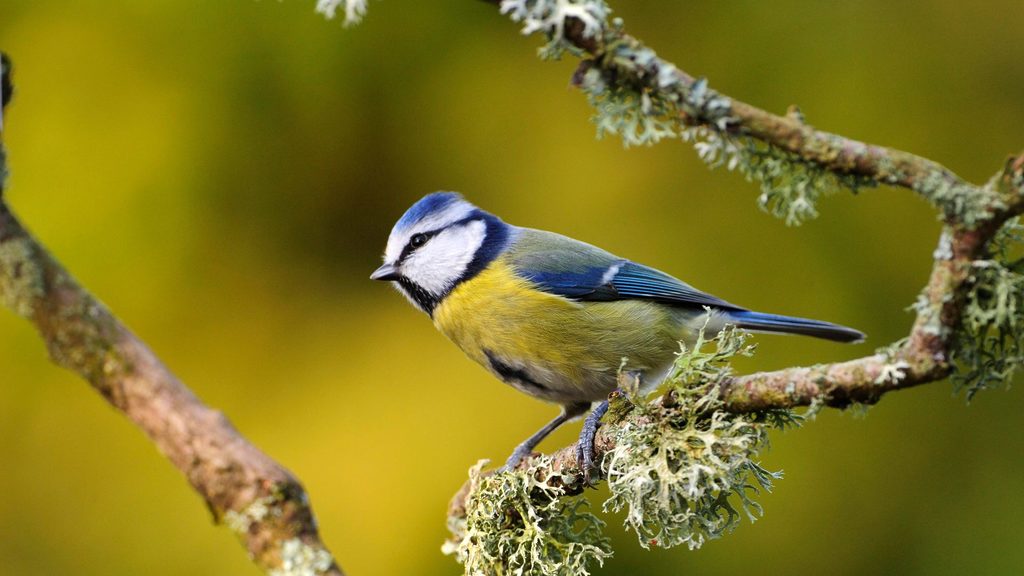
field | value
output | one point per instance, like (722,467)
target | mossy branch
(644,98)
(970,314)
(263,503)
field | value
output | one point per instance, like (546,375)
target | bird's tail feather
(761,322)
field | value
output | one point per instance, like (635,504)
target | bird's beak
(386,272)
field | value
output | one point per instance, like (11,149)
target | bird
(554,317)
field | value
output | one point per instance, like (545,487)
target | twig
(243,487)
(634,64)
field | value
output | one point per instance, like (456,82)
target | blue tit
(554,317)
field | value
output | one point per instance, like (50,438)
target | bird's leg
(629,381)
(569,411)
(585,445)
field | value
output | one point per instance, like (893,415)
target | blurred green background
(224,176)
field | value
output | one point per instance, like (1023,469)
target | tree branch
(243,487)
(972,215)
(634,64)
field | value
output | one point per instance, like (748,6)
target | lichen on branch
(644,99)
(989,347)
(521,522)
(552,17)
(682,469)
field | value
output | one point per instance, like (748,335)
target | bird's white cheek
(438,265)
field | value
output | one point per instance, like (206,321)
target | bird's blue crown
(430,204)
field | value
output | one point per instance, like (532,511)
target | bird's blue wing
(634,280)
(579,271)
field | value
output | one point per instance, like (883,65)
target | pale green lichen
(893,373)
(354,9)
(515,523)
(681,472)
(21,280)
(550,17)
(989,347)
(301,559)
(790,185)
(700,103)
(296,558)
(239,522)
(958,200)
(636,117)
(640,98)
(929,315)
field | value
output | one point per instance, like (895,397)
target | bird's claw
(585,445)
(585,460)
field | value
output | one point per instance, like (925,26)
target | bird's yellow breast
(573,350)
(499,312)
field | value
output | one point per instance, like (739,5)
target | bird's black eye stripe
(420,238)
(416,241)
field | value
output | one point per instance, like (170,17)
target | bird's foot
(525,449)
(585,445)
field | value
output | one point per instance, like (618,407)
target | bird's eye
(418,240)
